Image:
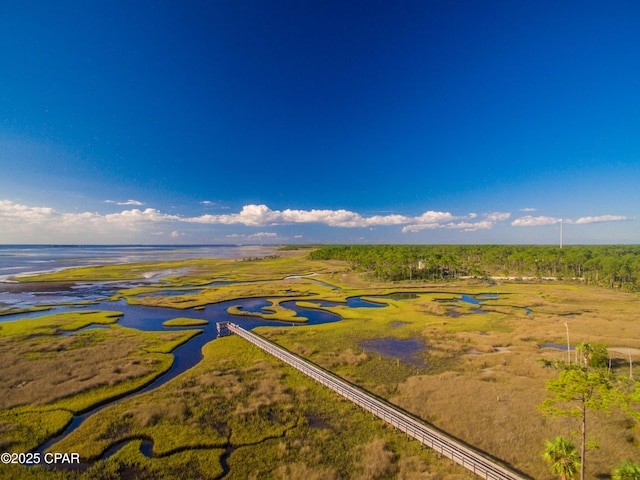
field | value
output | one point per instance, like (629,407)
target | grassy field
(482,378)
(46,377)
(243,412)
(478,373)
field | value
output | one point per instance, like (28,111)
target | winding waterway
(187,355)
(20,260)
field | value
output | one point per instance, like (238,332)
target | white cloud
(128,202)
(261,215)
(464,226)
(528,209)
(263,235)
(136,215)
(13,212)
(530,221)
(251,215)
(22,217)
(254,236)
(434,220)
(23,223)
(601,218)
(432,217)
(472,226)
(209,203)
(497,216)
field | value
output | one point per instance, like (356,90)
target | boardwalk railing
(472,460)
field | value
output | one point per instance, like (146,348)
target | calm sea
(20,259)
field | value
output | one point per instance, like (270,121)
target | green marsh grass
(221,293)
(276,313)
(272,422)
(47,377)
(196,272)
(202,464)
(185,322)
(21,472)
(16,310)
(481,380)
(124,271)
(60,322)
(486,364)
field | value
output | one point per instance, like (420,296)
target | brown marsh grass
(485,378)
(272,422)
(47,377)
(55,368)
(482,381)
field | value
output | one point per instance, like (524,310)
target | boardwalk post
(223,329)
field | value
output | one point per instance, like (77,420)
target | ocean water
(16,260)
(21,259)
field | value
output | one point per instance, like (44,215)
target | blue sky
(319,121)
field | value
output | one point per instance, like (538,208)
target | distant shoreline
(31,259)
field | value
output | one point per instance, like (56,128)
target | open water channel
(151,319)
(187,355)
(146,318)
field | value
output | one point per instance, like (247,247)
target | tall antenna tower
(560,233)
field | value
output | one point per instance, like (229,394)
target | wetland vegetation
(184,322)
(47,377)
(465,355)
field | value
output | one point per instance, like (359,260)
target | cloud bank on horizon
(26,224)
(531,221)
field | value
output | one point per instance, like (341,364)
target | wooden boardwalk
(464,455)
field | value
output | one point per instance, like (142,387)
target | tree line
(612,266)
